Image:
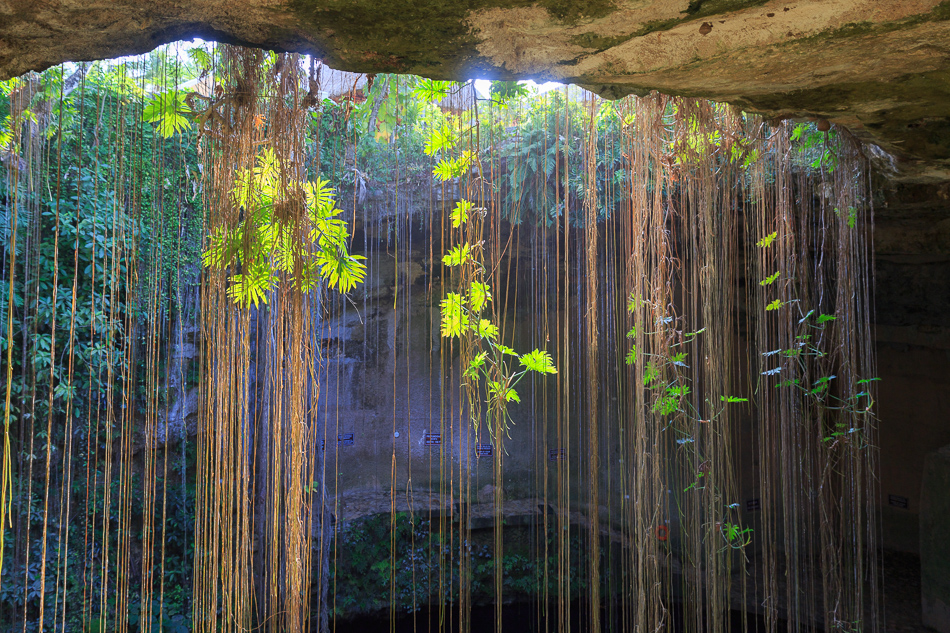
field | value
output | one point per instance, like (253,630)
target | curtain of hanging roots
(255,513)
(705,297)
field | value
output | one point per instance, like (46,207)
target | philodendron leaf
(501,392)
(539,361)
(476,364)
(459,214)
(454,318)
(486,329)
(458,255)
(479,294)
(168,110)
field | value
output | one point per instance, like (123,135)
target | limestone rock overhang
(881,68)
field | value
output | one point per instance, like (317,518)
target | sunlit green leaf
(459,214)
(766,241)
(539,361)
(440,140)
(475,364)
(455,320)
(458,255)
(431,89)
(770,279)
(680,390)
(498,391)
(479,294)
(168,110)
(486,329)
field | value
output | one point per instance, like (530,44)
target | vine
(490,365)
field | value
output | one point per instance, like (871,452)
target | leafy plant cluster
(465,315)
(804,367)
(97,265)
(272,240)
(667,387)
(82,584)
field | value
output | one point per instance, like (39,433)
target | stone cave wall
(912,325)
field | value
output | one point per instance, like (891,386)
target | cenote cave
(424,345)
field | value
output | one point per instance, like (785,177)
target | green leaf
(731,531)
(865,381)
(632,355)
(486,329)
(498,391)
(200,57)
(444,170)
(666,405)
(479,294)
(775,305)
(475,364)
(824,318)
(251,288)
(539,361)
(633,332)
(448,169)
(454,317)
(431,89)
(458,255)
(766,241)
(732,399)
(440,140)
(504,349)
(651,373)
(770,279)
(168,110)
(343,272)
(633,302)
(504,92)
(460,213)
(682,390)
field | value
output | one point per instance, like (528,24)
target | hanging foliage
(194,242)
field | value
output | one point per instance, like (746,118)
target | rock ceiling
(880,67)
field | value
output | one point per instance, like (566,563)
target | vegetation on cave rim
(109,255)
